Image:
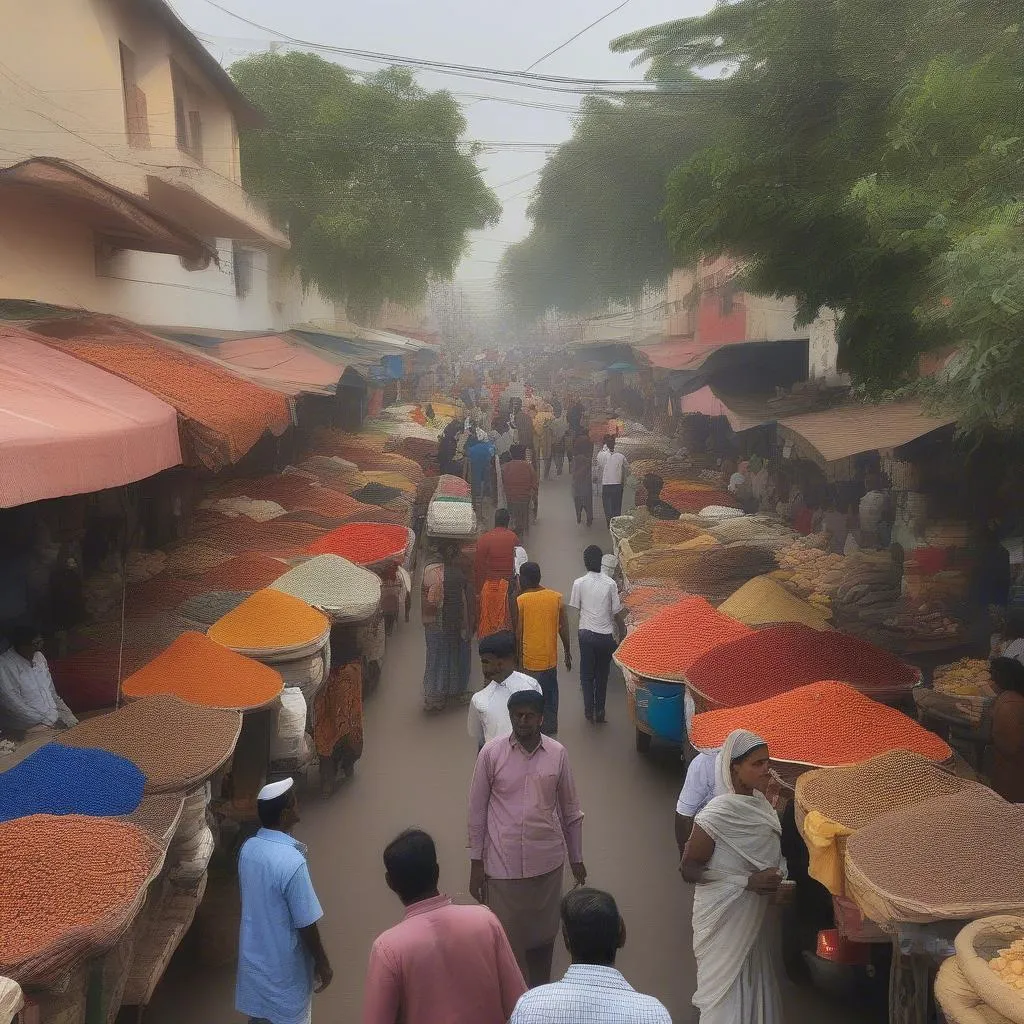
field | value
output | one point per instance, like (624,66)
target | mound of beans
(70,885)
(955,856)
(770,661)
(857,794)
(58,779)
(176,744)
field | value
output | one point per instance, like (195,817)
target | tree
(597,234)
(373,178)
(853,162)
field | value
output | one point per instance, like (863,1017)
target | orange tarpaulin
(70,428)
(225,415)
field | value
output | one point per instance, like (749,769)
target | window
(728,301)
(188,124)
(241,263)
(136,119)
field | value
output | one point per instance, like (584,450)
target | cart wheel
(643,742)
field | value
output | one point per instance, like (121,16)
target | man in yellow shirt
(542,620)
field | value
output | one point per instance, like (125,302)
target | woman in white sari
(735,862)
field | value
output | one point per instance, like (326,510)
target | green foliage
(867,157)
(597,234)
(372,178)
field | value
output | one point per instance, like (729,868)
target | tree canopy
(597,234)
(866,157)
(372,177)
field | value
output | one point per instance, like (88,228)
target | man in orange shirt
(542,620)
(495,575)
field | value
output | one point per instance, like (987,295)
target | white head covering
(273,790)
(738,743)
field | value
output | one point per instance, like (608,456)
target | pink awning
(704,401)
(70,428)
(281,364)
(684,353)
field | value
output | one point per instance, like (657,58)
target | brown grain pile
(955,856)
(157,816)
(177,745)
(668,532)
(71,885)
(855,795)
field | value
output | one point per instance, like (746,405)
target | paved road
(416,771)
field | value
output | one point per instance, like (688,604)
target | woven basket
(976,946)
(959,1003)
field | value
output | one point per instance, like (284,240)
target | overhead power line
(572,39)
(528,79)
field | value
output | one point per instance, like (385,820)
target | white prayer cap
(273,790)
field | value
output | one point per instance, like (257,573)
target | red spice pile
(284,540)
(362,543)
(773,660)
(668,643)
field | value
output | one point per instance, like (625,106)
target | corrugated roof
(225,415)
(70,428)
(281,364)
(851,429)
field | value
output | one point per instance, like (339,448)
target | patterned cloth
(494,608)
(589,995)
(338,715)
(446,673)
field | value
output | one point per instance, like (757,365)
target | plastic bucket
(665,711)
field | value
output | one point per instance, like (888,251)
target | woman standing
(448,625)
(734,859)
(582,476)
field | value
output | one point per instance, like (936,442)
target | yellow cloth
(539,613)
(822,836)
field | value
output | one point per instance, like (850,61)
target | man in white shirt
(592,990)
(596,598)
(27,695)
(611,465)
(697,792)
(488,710)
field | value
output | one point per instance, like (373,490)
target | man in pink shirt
(523,817)
(443,962)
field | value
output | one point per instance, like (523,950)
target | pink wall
(714,327)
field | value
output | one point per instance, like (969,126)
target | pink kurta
(524,814)
(442,963)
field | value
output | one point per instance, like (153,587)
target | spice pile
(177,745)
(826,723)
(344,591)
(762,600)
(857,794)
(363,543)
(668,532)
(269,620)
(251,571)
(952,857)
(71,885)
(668,643)
(775,659)
(58,779)
(204,673)
(643,602)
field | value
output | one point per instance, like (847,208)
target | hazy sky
(510,36)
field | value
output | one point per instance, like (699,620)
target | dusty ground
(416,771)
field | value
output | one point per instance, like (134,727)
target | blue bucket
(665,711)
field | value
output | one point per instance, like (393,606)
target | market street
(416,771)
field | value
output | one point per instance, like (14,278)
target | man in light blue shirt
(281,960)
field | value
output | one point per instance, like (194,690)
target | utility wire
(572,39)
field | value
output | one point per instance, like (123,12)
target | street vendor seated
(658,509)
(28,699)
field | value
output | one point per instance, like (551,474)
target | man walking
(596,597)
(611,465)
(488,710)
(281,960)
(520,484)
(524,817)
(442,962)
(592,990)
(495,575)
(540,621)
(480,472)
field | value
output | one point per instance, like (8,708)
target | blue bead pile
(68,780)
